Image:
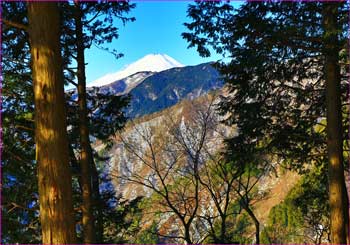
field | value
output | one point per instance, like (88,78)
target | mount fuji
(156,82)
(144,66)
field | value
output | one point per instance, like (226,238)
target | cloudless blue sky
(157,29)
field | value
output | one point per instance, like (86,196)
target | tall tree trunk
(86,179)
(54,177)
(337,190)
(97,199)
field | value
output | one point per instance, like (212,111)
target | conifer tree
(19,184)
(286,74)
(20,211)
(84,33)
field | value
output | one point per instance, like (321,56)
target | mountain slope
(151,62)
(123,86)
(167,88)
(271,188)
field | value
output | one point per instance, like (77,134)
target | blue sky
(157,29)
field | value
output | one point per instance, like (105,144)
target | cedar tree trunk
(54,177)
(86,180)
(337,189)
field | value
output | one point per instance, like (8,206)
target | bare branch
(15,24)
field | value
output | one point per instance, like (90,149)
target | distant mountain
(149,63)
(166,88)
(157,81)
(123,86)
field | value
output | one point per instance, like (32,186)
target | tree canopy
(277,71)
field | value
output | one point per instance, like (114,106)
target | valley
(141,161)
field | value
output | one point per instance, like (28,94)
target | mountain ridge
(164,89)
(148,63)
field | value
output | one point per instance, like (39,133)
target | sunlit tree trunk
(337,190)
(86,179)
(54,177)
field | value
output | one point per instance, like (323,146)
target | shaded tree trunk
(187,237)
(97,199)
(337,190)
(54,177)
(223,229)
(86,179)
(256,224)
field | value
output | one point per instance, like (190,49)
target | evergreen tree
(20,212)
(284,60)
(19,183)
(303,216)
(84,32)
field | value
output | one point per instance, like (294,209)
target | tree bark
(187,238)
(98,204)
(337,190)
(223,229)
(54,177)
(86,179)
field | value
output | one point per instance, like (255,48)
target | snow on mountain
(151,62)
(124,85)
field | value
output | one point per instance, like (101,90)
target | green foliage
(20,207)
(99,26)
(275,75)
(99,21)
(105,114)
(237,229)
(285,223)
(18,167)
(148,236)
(122,221)
(303,216)
(239,232)
(273,48)
(122,224)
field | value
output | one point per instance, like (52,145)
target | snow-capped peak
(150,62)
